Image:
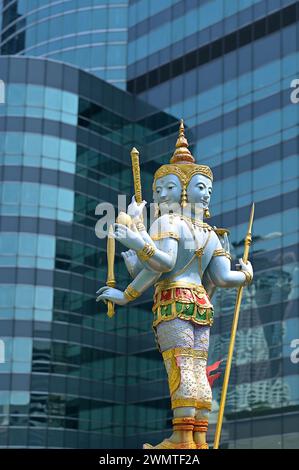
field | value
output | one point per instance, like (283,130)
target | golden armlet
(248,277)
(161,235)
(222,252)
(131,293)
(147,252)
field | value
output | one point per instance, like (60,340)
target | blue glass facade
(227,68)
(65,141)
(91,34)
(71,376)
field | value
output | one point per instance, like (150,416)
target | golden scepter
(233,336)
(110,276)
(124,219)
(136,175)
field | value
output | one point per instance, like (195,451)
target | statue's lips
(201,203)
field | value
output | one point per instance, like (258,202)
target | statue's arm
(145,279)
(141,283)
(144,234)
(163,259)
(163,237)
(148,253)
(208,284)
(220,271)
(164,256)
(159,253)
(133,264)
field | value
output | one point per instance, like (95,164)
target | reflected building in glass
(226,68)
(91,34)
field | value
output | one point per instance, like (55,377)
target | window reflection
(49,197)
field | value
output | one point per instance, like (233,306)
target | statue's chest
(196,243)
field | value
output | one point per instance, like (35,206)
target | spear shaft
(247,244)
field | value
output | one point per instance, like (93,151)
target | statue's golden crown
(182,163)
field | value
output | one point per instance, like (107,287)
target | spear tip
(251,218)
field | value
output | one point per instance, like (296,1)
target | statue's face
(168,190)
(199,190)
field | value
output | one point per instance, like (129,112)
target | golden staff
(136,175)
(124,219)
(110,276)
(233,336)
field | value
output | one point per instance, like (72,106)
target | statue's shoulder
(220,232)
(222,235)
(166,226)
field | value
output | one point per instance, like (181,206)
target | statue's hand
(126,236)
(135,210)
(114,295)
(245,267)
(130,259)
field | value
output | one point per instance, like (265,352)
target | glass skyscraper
(226,67)
(65,141)
(91,34)
(71,377)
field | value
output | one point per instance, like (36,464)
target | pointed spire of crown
(182,154)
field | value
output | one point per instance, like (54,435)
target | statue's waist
(167,292)
(171,283)
(184,300)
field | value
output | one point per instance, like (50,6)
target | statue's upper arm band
(161,235)
(222,252)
